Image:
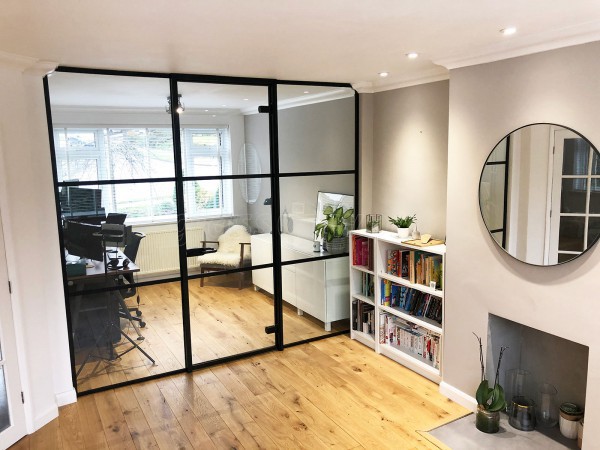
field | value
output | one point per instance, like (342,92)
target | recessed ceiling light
(245,99)
(214,115)
(307,92)
(412,55)
(383,74)
(223,106)
(206,110)
(508,31)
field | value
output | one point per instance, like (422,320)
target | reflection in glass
(228,318)
(570,236)
(315,128)
(575,157)
(573,195)
(593,230)
(534,193)
(4,411)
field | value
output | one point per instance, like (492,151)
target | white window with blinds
(90,154)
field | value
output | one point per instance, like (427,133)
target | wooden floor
(329,393)
(224,321)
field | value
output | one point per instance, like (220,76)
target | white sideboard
(317,288)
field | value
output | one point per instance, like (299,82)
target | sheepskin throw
(228,252)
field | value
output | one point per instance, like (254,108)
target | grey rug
(462,435)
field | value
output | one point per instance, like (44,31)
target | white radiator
(159,250)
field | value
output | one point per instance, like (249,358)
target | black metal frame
(179,179)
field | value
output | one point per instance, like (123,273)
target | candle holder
(373,223)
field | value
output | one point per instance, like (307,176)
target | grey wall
(410,142)
(366,156)
(315,137)
(486,102)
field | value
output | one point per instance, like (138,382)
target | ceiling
(334,40)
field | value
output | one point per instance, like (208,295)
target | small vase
(403,232)
(487,421)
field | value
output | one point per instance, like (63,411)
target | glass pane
(229,224)
(595,196)
(564,257)
(570,235)
(316,298)
(499,152)
(498,236)
(301,211)
(595,163)
(222,132)
(491,195)
(103,322)
(4,411)
(316,128)
(575,156)
(229,313)
(573,195)
(102,127)
(139,219)
(593,230)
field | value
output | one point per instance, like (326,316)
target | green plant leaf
(338,213)
(328,210)
(339,230)
(482,394)
(348,213)
(498,401)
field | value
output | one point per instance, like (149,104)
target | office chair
(132,245)
(231,253)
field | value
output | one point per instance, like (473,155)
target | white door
(12,413)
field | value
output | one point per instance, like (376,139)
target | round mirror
(539,194)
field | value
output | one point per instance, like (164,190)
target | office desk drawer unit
(317,288)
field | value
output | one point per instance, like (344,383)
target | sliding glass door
(187,235)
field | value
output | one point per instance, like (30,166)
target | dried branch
(481,357)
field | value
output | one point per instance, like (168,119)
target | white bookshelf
(413,327)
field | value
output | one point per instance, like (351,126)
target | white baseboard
(66,398)
(458,396)
(43,419)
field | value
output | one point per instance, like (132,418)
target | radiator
(159,250)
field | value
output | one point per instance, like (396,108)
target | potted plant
(403,224)
(332,229)
(490,400)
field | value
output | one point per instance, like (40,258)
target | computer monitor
(84,240)
(81,200)
(116,218)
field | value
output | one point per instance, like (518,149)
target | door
(225,182)
(12,414)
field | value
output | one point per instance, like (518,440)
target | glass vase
(373,223)
(487,421)
(547,407)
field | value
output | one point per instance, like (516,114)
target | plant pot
(487,421)
(336,245)
(403,232)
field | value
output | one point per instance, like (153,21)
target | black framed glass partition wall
(316,143)
(115,175)
(153,173)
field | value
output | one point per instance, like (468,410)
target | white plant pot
(403,232)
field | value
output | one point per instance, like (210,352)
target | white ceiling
(332,40)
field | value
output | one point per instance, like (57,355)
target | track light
(180,106)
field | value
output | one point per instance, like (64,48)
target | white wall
(410,140)
(29,222)
(487,102)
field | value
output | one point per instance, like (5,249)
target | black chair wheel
(142,324)
(138,313)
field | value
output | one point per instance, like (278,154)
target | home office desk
(111,302)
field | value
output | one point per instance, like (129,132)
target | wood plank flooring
(329,393)
(224,321)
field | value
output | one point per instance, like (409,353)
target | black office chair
(132,245)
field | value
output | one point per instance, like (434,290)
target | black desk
(96,317)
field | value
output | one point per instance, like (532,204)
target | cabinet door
(310,288)
(337,288)
(262,254)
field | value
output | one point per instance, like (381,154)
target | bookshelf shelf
(408,314)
